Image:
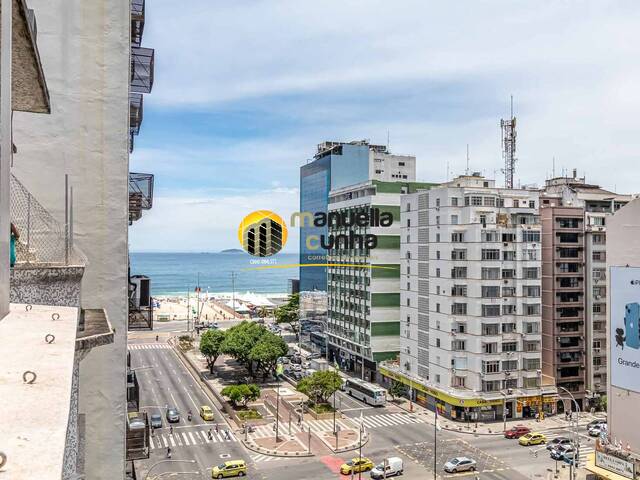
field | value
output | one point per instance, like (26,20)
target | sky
(244,90)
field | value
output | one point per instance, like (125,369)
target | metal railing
(43,240)
(140,194)
(137,21)
(142,61)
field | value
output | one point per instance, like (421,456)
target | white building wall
(409,283)
(84,47)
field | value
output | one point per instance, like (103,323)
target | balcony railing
(43,240)
(142,65)
(135,112)
(137,21)
(140,194)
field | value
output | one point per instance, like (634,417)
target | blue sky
(244,90)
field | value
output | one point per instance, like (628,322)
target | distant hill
(232,250)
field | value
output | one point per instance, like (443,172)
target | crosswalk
(147,346)
(260,457)
(390,419)
(187,438)
(317,426)
(585,447)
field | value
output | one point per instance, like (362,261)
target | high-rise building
(363,324)
(470,333)
(337,165)
(574,288)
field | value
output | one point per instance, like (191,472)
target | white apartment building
(470,300)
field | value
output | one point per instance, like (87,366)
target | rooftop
(42,407)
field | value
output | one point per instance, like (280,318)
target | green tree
(240,339)
(319,386)
(242,393)
(211,346)
(266,352)
(290,313)
(397,389)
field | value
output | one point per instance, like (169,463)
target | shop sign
(615,464)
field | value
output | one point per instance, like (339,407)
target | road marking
(193,440)
(186,440)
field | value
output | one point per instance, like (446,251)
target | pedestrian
(170,429)
(168,452)
(217,431)
(14,235)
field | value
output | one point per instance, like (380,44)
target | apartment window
(490,385)
(490,347)
(598,274)
(531,346)
(598,256)
(458,382)
(568,222)
(598,239)
(529,254)
(565,237)
(599,292)
(598,221)
(458,309)
(408,286)
(508,291)
(438,307)
(490,310)
(490,291)
(458,254)
(437,219)
(500,202)
(508,273)
(508,309)
(454,201)
(457,237)
(531,327)
(437,202)
(564,267)
(516,203)
(438,342)
(454,219)
(489,236)
(438,237)
(531,363)
(490,254)
(530,291)
(459,272)
(408,238)
(532,309)
(491,366)
(508,237)
(532,204)
(476,201)
(408,207)
(437,378)
(509,346)
(409,221)
(569,252)
(490,328)
(438,254)
(599,308)
(483,220)
(508,256)
(459,291)
(489,201)
(437,272)
(509,365)
(408,302)
(532,236)
(408,270)
(437,289)
(490,273)
(458,345)
(508,328)
(530,273)
(596,344)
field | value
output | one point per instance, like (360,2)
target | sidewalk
(491,428)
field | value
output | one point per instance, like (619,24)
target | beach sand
(175,308)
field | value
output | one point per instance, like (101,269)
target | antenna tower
(509,147)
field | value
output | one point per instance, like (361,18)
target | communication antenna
(553,174)
(466,172)
(509,147)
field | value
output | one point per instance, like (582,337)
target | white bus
(367,392)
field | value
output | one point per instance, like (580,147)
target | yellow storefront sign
(444,397)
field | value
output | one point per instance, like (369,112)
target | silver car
(460,464)
(173,415)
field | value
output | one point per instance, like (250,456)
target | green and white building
(363,284)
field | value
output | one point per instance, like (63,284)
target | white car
(296,367)
(460,464)
(596,430)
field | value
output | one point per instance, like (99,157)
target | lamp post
(504,411)
(166,461)
(279,371)
(576,453)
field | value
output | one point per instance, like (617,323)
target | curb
(273,453)
(350,448)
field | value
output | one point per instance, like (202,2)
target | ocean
(177,273)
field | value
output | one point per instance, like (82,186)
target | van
(392,465)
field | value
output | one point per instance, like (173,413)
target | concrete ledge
(46,284)
(274,453)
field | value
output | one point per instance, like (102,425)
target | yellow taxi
(356,465)
(232,468)
(533,438)
(206,413)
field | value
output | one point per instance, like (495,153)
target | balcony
(135,112)
(137,21)
(140,194)
(142,66)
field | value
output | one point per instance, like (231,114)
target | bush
(320,408)
(249,414)
(242,393)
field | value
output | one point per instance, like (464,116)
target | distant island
(232,250)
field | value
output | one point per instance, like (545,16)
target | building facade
(337,165)
(574,217)
(363,324)
(470,301)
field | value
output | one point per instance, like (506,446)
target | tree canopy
(319,386)
(397,389)
(290,312)
(211,346)
(242,393)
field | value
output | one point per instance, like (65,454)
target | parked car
(284,360)
(231,468)
(532,438)
(173,415)
(313,356)
(305,365)
(558,441)
(460,464)
(296,367)
(156,420)
(356,465)
(560,452)
(298,375)
(517,431)
(596,430)
(389,467)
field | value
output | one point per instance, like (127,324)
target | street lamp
(504,410)
(575,433)
(166,461)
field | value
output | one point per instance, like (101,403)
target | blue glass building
(336,166)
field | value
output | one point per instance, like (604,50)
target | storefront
(604,464)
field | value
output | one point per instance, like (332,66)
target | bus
(367,392)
